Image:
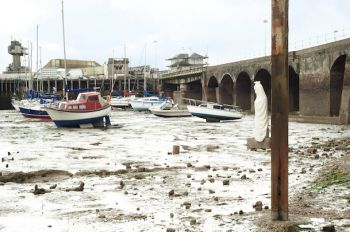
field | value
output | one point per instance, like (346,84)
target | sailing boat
(88,109)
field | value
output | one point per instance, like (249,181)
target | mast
(112,79)
(144,73)
(37,54)
(64,54)
(124,68)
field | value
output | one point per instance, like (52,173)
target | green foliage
(334,177)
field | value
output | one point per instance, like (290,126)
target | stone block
(253,144)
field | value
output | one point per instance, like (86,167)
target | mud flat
(127,179)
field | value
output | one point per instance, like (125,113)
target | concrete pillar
(79,84)
(218,95)
(344,114)
(183,87)
(204,90)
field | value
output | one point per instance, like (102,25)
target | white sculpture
(261,113)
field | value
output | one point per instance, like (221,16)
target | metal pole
(265,22)
(64,53)
(279,112)
(124,69)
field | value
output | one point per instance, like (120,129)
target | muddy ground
(127,179)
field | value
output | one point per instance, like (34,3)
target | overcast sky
(225,30)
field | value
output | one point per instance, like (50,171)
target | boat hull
(34,113)
(171,113)
(213,115)
(63,118)
(139,105)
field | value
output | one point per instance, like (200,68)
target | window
(75,107)
(93,98)
(82,107)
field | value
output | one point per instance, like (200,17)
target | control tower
(16,50)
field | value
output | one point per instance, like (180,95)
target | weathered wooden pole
(279,112)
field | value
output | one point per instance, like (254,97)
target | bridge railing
(182,72)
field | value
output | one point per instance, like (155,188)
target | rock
(193,222)
(171,215)
(170,230)
(258,206)
(317,156)
(121,184)
(199,189)
(171,192)
(266,207)
(101,216)
(303,171)
(188,175)
(2,159)
(211,191)
(7,165)
(244,177)
(8,153)
(207,210)
(259,169)
(187,205)
(126,193)
(80,188)
(216,198)
(211,180)
(53,186)
(189,165)
(328,228)
(226,182)
(241,212)
(202,182)
(38,190)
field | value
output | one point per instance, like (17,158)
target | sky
(151,31)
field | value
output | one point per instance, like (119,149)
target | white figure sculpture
(261,113)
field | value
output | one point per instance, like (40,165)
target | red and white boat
(88,108)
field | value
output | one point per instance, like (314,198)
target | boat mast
(64,54)
(112,78)
(124,69)
(144,73)
(37,53)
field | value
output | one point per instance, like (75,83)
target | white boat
(15,104)
(214,112)
(121,102)
(144,104)
(166,110)
(89,109)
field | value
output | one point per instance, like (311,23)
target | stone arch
(336,84)
(212,87)
(226,90)
(243,89)
(264,77)
(293,90)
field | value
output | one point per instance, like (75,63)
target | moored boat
(88,108)
(145,103)
(121,102)
(34,110)
(166,110)
(214,112)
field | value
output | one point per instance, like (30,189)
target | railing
(182,72)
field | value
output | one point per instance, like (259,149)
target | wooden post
(279,112)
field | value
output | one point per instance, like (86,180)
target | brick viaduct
(319,82)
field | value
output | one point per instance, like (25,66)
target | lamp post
(265,22)
(335,38)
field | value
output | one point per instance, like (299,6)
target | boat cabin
(84,102)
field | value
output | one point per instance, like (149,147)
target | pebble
(226,182)
(171,192)
(193,222)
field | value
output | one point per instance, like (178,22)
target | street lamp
(265,22)
(335,38)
